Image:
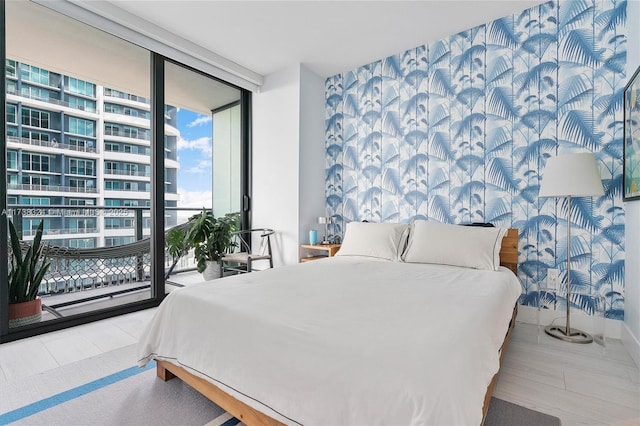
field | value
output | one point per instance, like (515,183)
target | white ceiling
(35,34)
(329,37)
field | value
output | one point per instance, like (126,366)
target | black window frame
(157,109)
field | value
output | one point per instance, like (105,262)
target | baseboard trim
(631,344)
(611,328)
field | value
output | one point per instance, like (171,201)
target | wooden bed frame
(250,416)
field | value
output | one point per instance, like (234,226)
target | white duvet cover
(343,340)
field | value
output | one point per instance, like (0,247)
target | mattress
(344,340)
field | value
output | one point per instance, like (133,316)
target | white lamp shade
(323,220)
(574,175)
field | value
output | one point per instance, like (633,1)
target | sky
(194,156)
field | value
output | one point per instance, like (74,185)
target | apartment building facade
(79,158)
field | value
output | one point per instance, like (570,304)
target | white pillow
(469,246)
(382,240)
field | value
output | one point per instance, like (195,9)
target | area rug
(136,397)
(504,413)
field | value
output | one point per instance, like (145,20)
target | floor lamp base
(573,336)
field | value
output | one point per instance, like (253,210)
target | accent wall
(459,131)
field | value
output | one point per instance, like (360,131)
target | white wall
(286,174)
(312,154)
(275,158)
(288,158)
(631,327)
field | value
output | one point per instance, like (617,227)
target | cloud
(202,144)
(200,121)
(203,167)
(193,199)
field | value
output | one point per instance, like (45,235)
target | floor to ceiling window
(202,151)
(79,148)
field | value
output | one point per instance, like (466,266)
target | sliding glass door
(107,146)
(203,147)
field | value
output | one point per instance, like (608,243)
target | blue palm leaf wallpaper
(459,131)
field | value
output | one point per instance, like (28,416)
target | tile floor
(580,384)
(27,357)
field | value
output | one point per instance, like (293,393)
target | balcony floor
(113,296)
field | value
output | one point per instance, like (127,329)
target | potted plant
(209,237)
(27,270)
(176,246)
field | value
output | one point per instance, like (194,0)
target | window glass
(34,74)
(35,201)
(35,118)
(81,167)
(12,87)
(12,160)
(32,135)
(11,68)
(37,93)
(81,103)
(81,87)
(81,126)
(81,108)
(81,202)
(85,145)
(11,114)
(35,162)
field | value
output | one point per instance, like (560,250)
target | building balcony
(115,96)
(128,190)
(138,173)
(29,98)
(80,277)
(61,231)
(50,144)
(121,136)
(133,120)
(51,188)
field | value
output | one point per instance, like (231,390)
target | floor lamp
(572,175)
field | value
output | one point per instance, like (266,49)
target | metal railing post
(17,222)
(139,258)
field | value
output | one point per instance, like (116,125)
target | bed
(352,339)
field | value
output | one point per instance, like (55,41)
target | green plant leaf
(28,268)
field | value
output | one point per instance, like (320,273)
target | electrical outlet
(553,278)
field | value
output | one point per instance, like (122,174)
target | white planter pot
(212,271)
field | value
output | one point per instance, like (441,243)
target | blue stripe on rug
(62,397)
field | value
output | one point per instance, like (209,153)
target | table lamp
(567,176)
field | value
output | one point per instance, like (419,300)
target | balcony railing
(128,189)
(122,133)
(61,231)
(146,151)
(127,172)
(50,144)
(127,96)
(79,269)
(53,188)
(51,100)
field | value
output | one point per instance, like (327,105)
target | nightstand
(328,249)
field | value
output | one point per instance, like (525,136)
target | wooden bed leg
(162,373)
